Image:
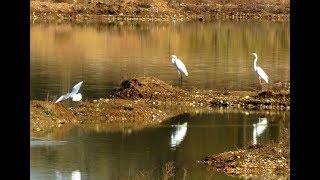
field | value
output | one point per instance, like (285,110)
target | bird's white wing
(262,74)
(63,97)
(181,67)
(76,88)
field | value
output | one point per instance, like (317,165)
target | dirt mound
(147,88)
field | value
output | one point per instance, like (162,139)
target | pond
(185,139)
(218,55)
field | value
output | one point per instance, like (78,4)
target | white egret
(178,134)
(259,128)
(74,94)
(180,67)
(259,70)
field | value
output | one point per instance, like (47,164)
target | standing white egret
(259,70)
(180,67)
(73,94)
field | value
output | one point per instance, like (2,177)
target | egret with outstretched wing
(73,94)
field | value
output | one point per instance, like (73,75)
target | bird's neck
(255,63)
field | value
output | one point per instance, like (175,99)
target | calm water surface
(94,154)
(218,55)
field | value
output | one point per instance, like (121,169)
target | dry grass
(168,171)
(143,175)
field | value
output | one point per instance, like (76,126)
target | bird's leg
(260,83)
(179,78)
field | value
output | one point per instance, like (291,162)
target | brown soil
(159,10)
(148,88)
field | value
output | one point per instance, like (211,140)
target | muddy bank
(159,10)
(148,100)
(257,161)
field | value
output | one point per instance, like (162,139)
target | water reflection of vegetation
(225,35)
(99,47)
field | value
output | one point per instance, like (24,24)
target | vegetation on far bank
(159,10)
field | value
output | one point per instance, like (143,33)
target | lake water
(187,138)
(218,56)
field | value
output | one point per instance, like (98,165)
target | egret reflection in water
(45,142)
(178,134)
(259,128)
(75,175)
